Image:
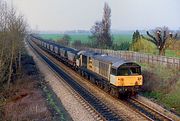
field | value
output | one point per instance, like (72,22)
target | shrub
(159,78)
(142,45)
(123,46)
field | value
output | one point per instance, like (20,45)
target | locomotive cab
(126,74)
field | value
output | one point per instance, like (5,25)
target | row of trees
(12,33)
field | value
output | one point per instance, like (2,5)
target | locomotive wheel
(79,71)
(93,80)
(106,88)
(82,73)
(87,76)
(102,86)
(114,92)
(90,78)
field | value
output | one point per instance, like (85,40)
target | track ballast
(99,106)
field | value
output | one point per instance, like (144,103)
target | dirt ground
(24,100)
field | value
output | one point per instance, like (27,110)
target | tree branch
(154,40)
(148,39)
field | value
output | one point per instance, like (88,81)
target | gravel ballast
(63,92)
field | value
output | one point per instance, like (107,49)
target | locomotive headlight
(136,83)
(120,79)
(139,78)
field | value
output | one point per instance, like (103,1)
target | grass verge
(162,85)
(59,112)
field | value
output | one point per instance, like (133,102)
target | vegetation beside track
(162,85)
(24,100)
(59,112)
(30,97)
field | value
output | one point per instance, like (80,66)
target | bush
(28,65)
(162,84)
(142,45)
(77,43)
(122,46)
(159,78)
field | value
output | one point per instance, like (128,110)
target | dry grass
(24,99)
(25,102)
(163,85)
(159,78)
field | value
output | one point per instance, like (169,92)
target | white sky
(81,14)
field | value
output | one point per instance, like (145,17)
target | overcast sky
(81,14)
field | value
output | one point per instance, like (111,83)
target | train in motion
(116,76)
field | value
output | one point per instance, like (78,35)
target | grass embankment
(162,85)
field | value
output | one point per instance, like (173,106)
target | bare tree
(65,41)
(77,43)
(96,37)
(106,25)
(162,37)
(12,33)
(3,43)
(101,35)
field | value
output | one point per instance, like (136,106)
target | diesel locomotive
(116,76)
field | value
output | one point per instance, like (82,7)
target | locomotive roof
(90,53)
(116,62)
(106,58)
(71,50)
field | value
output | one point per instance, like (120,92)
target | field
(117,38)
(173,53)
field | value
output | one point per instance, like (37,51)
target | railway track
(90,102)
(148,112)
(103,114)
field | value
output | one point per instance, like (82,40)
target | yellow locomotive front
(126,76)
